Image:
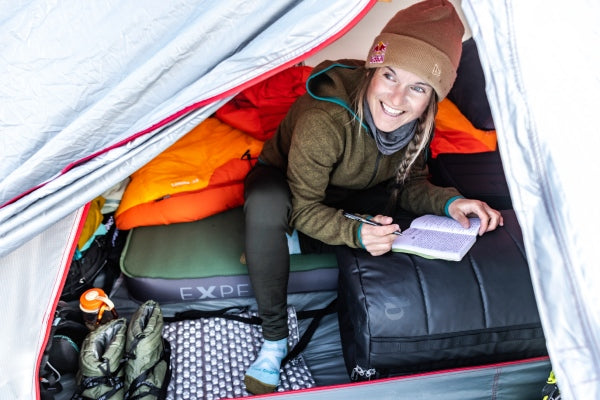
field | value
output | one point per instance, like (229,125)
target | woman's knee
(267,209)
(268,198)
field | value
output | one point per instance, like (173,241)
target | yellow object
(92,221)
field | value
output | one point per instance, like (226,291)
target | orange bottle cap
(93,299)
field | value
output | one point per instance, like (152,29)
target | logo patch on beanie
(378,53)
(436,71)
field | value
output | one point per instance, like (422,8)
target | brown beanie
(425,39)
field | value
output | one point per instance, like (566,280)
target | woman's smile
(390,110)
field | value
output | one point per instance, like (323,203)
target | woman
(356,130)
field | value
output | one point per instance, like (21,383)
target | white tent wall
(30,278)
(79,82)
(541,62)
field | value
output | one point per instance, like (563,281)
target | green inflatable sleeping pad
(204,260)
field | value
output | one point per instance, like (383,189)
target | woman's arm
(316,147)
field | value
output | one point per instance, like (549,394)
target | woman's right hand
(378,239)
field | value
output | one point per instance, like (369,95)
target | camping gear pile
(131,93)
(184,227)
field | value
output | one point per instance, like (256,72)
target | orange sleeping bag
(200,175)
(454,133)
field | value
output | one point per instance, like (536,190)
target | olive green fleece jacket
(318,143)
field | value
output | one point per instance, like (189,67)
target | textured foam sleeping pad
(209,357)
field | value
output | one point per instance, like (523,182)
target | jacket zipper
(377,160)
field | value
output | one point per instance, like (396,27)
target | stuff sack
(402,314)
(61,355)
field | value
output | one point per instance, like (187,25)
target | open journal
(434,236)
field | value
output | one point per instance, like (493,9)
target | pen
(366,221)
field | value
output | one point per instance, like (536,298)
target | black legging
(267,208)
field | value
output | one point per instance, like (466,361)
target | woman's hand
(378,239)
(461,209)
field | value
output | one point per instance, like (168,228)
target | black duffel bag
(97,265)
(401,314)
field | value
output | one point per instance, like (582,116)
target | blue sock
(263,375)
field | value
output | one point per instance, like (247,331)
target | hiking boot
(147,370)
(101,371)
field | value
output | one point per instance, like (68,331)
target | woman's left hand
(461,209)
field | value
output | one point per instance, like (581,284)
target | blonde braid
(419,141)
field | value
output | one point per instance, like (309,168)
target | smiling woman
(360,130)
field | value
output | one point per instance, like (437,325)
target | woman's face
(396,97)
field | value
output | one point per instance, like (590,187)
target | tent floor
(323,355)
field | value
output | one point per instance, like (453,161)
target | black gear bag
(401,314)
(98,265)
